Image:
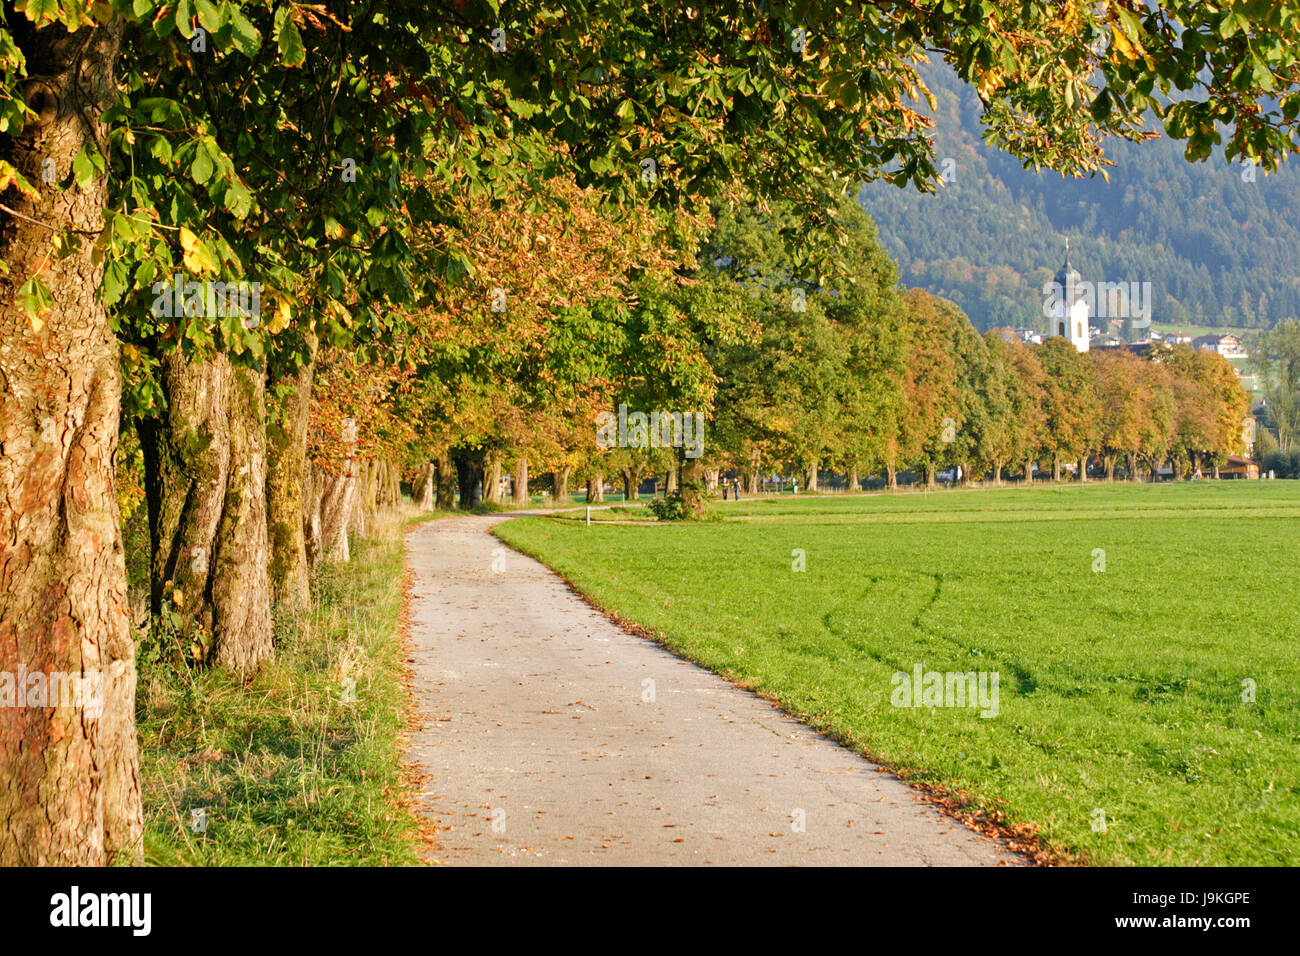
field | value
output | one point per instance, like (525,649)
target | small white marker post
(588,516)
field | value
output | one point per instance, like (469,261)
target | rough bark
(311,502)
(810,477)
(519,497)
(631,485)
(337,493)
(1029,471)
(425,486)
(692,485)
(492,478)
(446,482)
(205,481)
(853,481)
(367,496)
(286,472)
(997,474)
(69,776)
(891,476)
(670,481)
(560,485)
(930,475)
(595,488)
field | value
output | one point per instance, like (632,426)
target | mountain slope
(1218,248)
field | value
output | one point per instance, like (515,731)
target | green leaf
(292,51)
(38,10)
(201,168)
(87,165)
(238,200)
(209,16)
(246,37)
(184,16)
(161,149)
(115,282)
(36,301)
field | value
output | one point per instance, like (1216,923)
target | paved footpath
(541,747)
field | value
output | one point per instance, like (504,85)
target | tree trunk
(1029,471)
(337,494)
(1083,468)
(492,478)
(69,778)
(560,485)
(595,488)
(205,481)
(520,496)
(469,476)
(367,499)
(929,475)
(1132,467)
(425,486)
(810,474)
(286,452)
(692,485)
(1109,461)
(891,476)
(631,490)
(670,480)
(446,482)
(997,474)
(853,481)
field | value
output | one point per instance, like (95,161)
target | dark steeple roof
(1069,279)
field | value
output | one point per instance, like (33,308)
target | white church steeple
(1068,309)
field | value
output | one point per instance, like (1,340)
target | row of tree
(799,375)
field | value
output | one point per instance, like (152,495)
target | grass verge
(287,770)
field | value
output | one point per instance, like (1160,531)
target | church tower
(1068,315)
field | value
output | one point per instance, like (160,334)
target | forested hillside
(1218,248)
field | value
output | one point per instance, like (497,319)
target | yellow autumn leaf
(1122,44)
(281,314)
(197,257)
(987,83)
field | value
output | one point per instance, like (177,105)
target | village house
(1229,346)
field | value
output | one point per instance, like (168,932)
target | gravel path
(550,736)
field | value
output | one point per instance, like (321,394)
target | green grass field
(1120,690)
